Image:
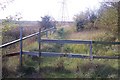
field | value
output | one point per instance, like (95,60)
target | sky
(33,10)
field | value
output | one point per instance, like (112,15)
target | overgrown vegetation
(61,67)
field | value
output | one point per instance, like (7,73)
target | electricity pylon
(64,15)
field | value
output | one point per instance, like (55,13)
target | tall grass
(9,65)
(61,67)
(78,68)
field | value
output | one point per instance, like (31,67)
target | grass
(86,35)
(77,68)
(61,67)
(9,65)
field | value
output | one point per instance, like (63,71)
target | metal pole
(21,32)
(91,56)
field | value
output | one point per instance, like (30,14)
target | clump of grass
(51,47)
(9,66)
(60,64)
(25,70)
(76,48)
(32,47)
(96,69)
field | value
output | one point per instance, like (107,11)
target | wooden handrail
(61,41)
(15,41)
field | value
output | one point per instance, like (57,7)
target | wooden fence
(53,54)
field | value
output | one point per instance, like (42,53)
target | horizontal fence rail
(15,41)
(78,41)
(54,54)
(65,41)
(11,54)
(60,41)
(104,42)
(69,55)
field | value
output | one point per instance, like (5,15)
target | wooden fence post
(21,35)
(39,40)
(91,56)
(47,34)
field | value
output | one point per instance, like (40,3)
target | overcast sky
(35,9)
